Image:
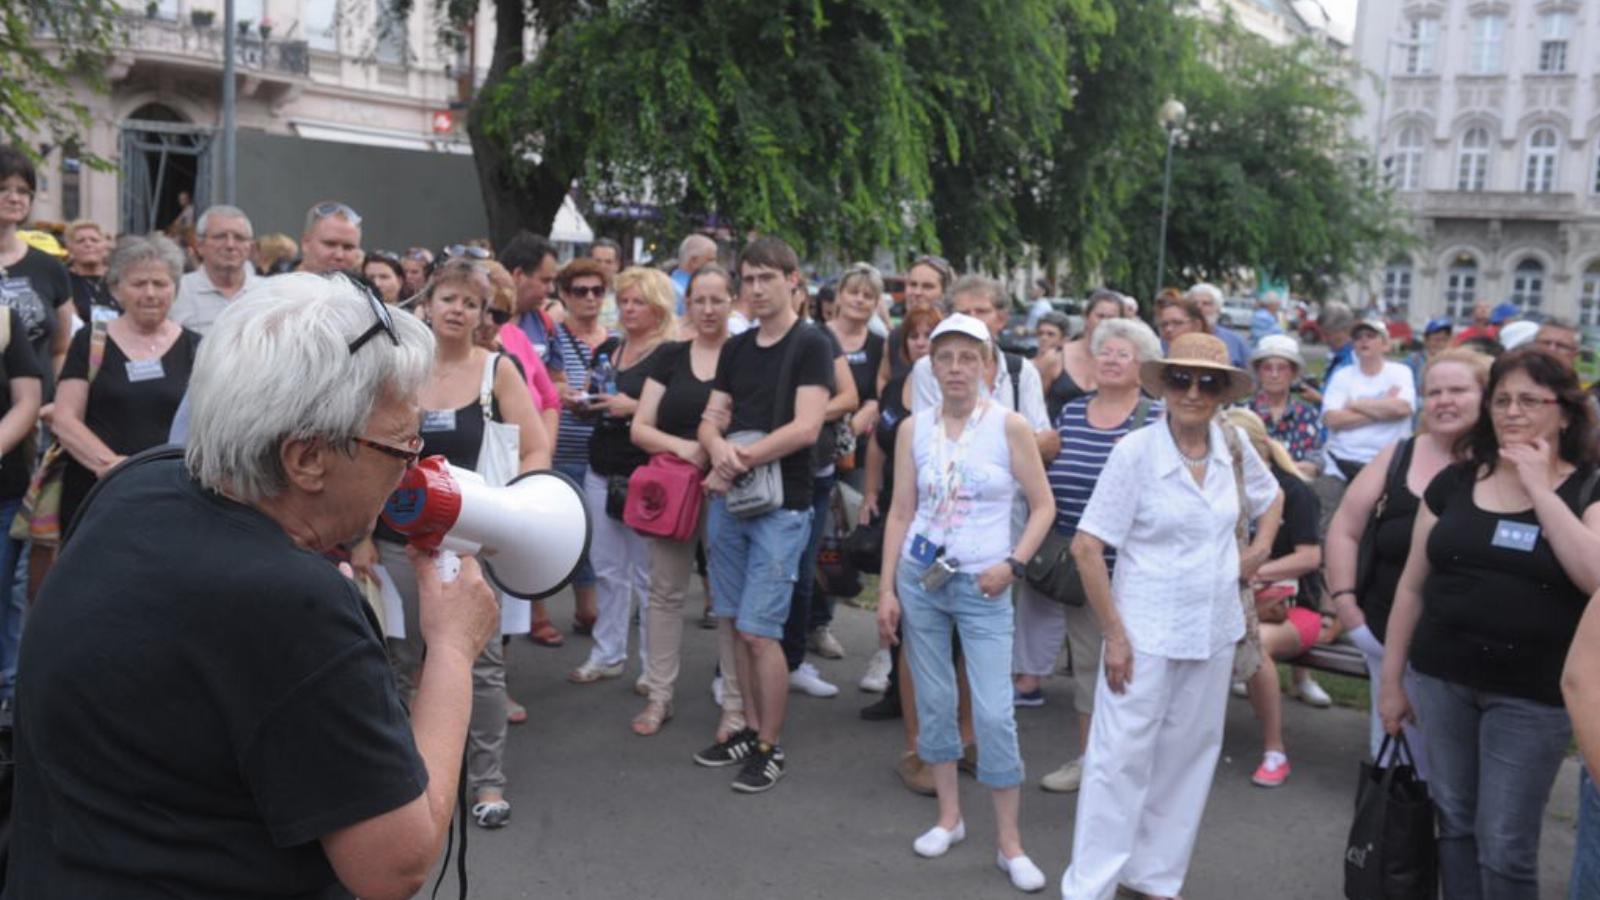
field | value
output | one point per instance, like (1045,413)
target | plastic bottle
(603,378)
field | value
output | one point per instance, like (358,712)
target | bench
(1339,658)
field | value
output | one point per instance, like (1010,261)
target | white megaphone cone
(529,536)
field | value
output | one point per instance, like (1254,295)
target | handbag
(758,491)
(500,452)
(1054,573)
(837,576)
(664,498)
(1247,655)
(864,546)
(1272,601)
(1367,547)
(1392,853)
(39,517)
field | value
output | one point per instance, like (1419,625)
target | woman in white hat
(1290,420)
(948,563)
(1169,502)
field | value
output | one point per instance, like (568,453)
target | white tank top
(972,521)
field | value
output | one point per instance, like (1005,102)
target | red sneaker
(1270,776)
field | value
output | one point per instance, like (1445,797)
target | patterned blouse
(1300,429)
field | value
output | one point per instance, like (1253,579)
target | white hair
(277,366)
(1209,290)
(696,245)
(222,211)
(1146,346)
(138,249)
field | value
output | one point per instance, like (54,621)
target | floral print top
(1299,430)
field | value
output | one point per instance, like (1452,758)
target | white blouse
(1176,583)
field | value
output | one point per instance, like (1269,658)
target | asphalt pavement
(599,812)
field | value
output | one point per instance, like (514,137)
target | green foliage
(44,45)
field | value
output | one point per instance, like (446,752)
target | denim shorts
(754,563)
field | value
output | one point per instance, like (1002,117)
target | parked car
(1236,312)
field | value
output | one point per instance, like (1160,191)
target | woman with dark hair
(32,282)
(1068,373)
(383,270)
(1504,556)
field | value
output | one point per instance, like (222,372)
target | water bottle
(603,378)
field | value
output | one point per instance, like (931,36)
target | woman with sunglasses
(453,426)
(1168,501)
(1504,556)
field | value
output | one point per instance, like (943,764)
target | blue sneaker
(1034,697)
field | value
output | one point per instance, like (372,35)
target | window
(1539,175)
(1397,286)
(1472,169)
(1405,163)
(1461,286)
(322,24)
(1527,285)
(1488,33)
(1419,55)
(1553,43)
(1596,185)
(1589,299)
(392,44)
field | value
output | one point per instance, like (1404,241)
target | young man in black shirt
(32,282)
(766,407)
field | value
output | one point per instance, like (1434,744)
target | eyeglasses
(467,250)
(596,291)
(334,208)
(384,323)
(1526,402)
(410,453)
(22,192)
(499,316)
(1181,380)
(1114,354)
(419,253)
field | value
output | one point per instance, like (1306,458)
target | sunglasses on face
(577,292)
(499,316)
(1180,380)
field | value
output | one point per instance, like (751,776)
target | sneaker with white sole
(822,642)
(876,678)
(1064,780)
(1240,689)
(1024,875)
(716,690)
(736,749)
(1273,772)
(809,681)
(590,672)
(1312,694)
(491,814)
(761,771)
(936,841)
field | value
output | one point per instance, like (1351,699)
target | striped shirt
(1084,450)
(572,435)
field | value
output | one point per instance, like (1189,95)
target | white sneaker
(876,679)
(1312,694)
(1064,780)
(808,679)
(937,842)
(1240,689)
(716,690)
(1024,875)
(822,642)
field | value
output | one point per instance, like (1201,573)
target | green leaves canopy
(44,44)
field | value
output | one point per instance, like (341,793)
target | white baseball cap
(961,323)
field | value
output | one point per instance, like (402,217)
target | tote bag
(1392,853)
(499,458)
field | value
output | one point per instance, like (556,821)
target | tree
(45,44)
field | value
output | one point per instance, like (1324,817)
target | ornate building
(1485,120)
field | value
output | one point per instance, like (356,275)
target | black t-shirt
(89,291)
(18,361)
(1498,611)
(892,413)
(611,449)
(750,373)
(199,702)
(36,286)
(684,398)
(1300,513)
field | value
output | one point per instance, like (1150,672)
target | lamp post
(1172,116)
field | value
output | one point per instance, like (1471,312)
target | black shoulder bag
(1367,548)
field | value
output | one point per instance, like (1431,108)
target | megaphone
(529,536)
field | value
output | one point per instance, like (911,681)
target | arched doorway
(163,156)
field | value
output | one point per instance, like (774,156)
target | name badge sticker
(923,550)
(439,420)
(145,370)
(1511,535)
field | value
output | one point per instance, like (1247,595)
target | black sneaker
(761,771)
(886,708)
(736,749)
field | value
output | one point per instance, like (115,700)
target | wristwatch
(1018,569)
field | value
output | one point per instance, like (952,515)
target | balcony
(1553,207)
(159,43)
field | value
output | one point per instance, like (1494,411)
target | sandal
(730,724)
(655,714)
(516,713)
(582,624)
(546,634)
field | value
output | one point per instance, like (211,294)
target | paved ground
(602,813)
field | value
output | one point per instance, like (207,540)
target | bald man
(695,251)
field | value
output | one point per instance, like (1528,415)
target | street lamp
(1172,116)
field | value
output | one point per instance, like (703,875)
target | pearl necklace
(1193,462)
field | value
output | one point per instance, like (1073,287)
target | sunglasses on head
(1211,384)
(333,208)
(458,250)
(383,322)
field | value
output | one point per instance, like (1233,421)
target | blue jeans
(1586,858)
(584,576)
(1492,760)
(985,625)
(13,598)
(807,610)
(753,564)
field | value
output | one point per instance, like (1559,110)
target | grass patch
(1351,693)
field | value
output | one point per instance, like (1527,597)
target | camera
(939,573)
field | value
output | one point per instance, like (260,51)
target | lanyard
(949,474)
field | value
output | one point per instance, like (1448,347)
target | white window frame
(1488,40)
(1460,289)
(1423,46)
(1541,161)
(1472,160)
(1554,35)
(1405,161)
(1527,284)
(1589,297)
(1398,277)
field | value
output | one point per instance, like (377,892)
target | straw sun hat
(1197,351)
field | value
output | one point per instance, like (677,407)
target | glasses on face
(384,323)
(411,452)
(950,358)
(24,193)
(1528,403)
(1180,380)
(1115,354)
(578,292)
(333,208)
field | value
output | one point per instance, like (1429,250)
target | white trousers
(621,561)
(1152,756)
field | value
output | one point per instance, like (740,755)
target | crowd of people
(1201,506)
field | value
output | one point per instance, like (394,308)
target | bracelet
(1335,595)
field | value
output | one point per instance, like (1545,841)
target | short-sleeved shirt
(1362,443)
(200,701)
(18,361)
(35,286)
(573,431)
(89,294)
(1498,610)
(749,373)
(684,398)
(200,301)
(1301,511)
(1177,578)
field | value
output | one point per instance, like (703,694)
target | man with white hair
(239,732)
(225,237)
(1209,297)
(695,251)
(1265,319)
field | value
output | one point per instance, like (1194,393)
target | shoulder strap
(1230,437)
(1399,464)
(1014,369)
(486,390)
(783,403)
(97,347)
(1586,494)
(1141,412)
(5,329)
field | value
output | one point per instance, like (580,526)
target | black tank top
(1392,543)
(1062,391)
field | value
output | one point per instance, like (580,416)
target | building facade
(1485,119)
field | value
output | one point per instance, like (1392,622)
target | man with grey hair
(239,732)
(1209,298)
(225,275)
(695,251)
